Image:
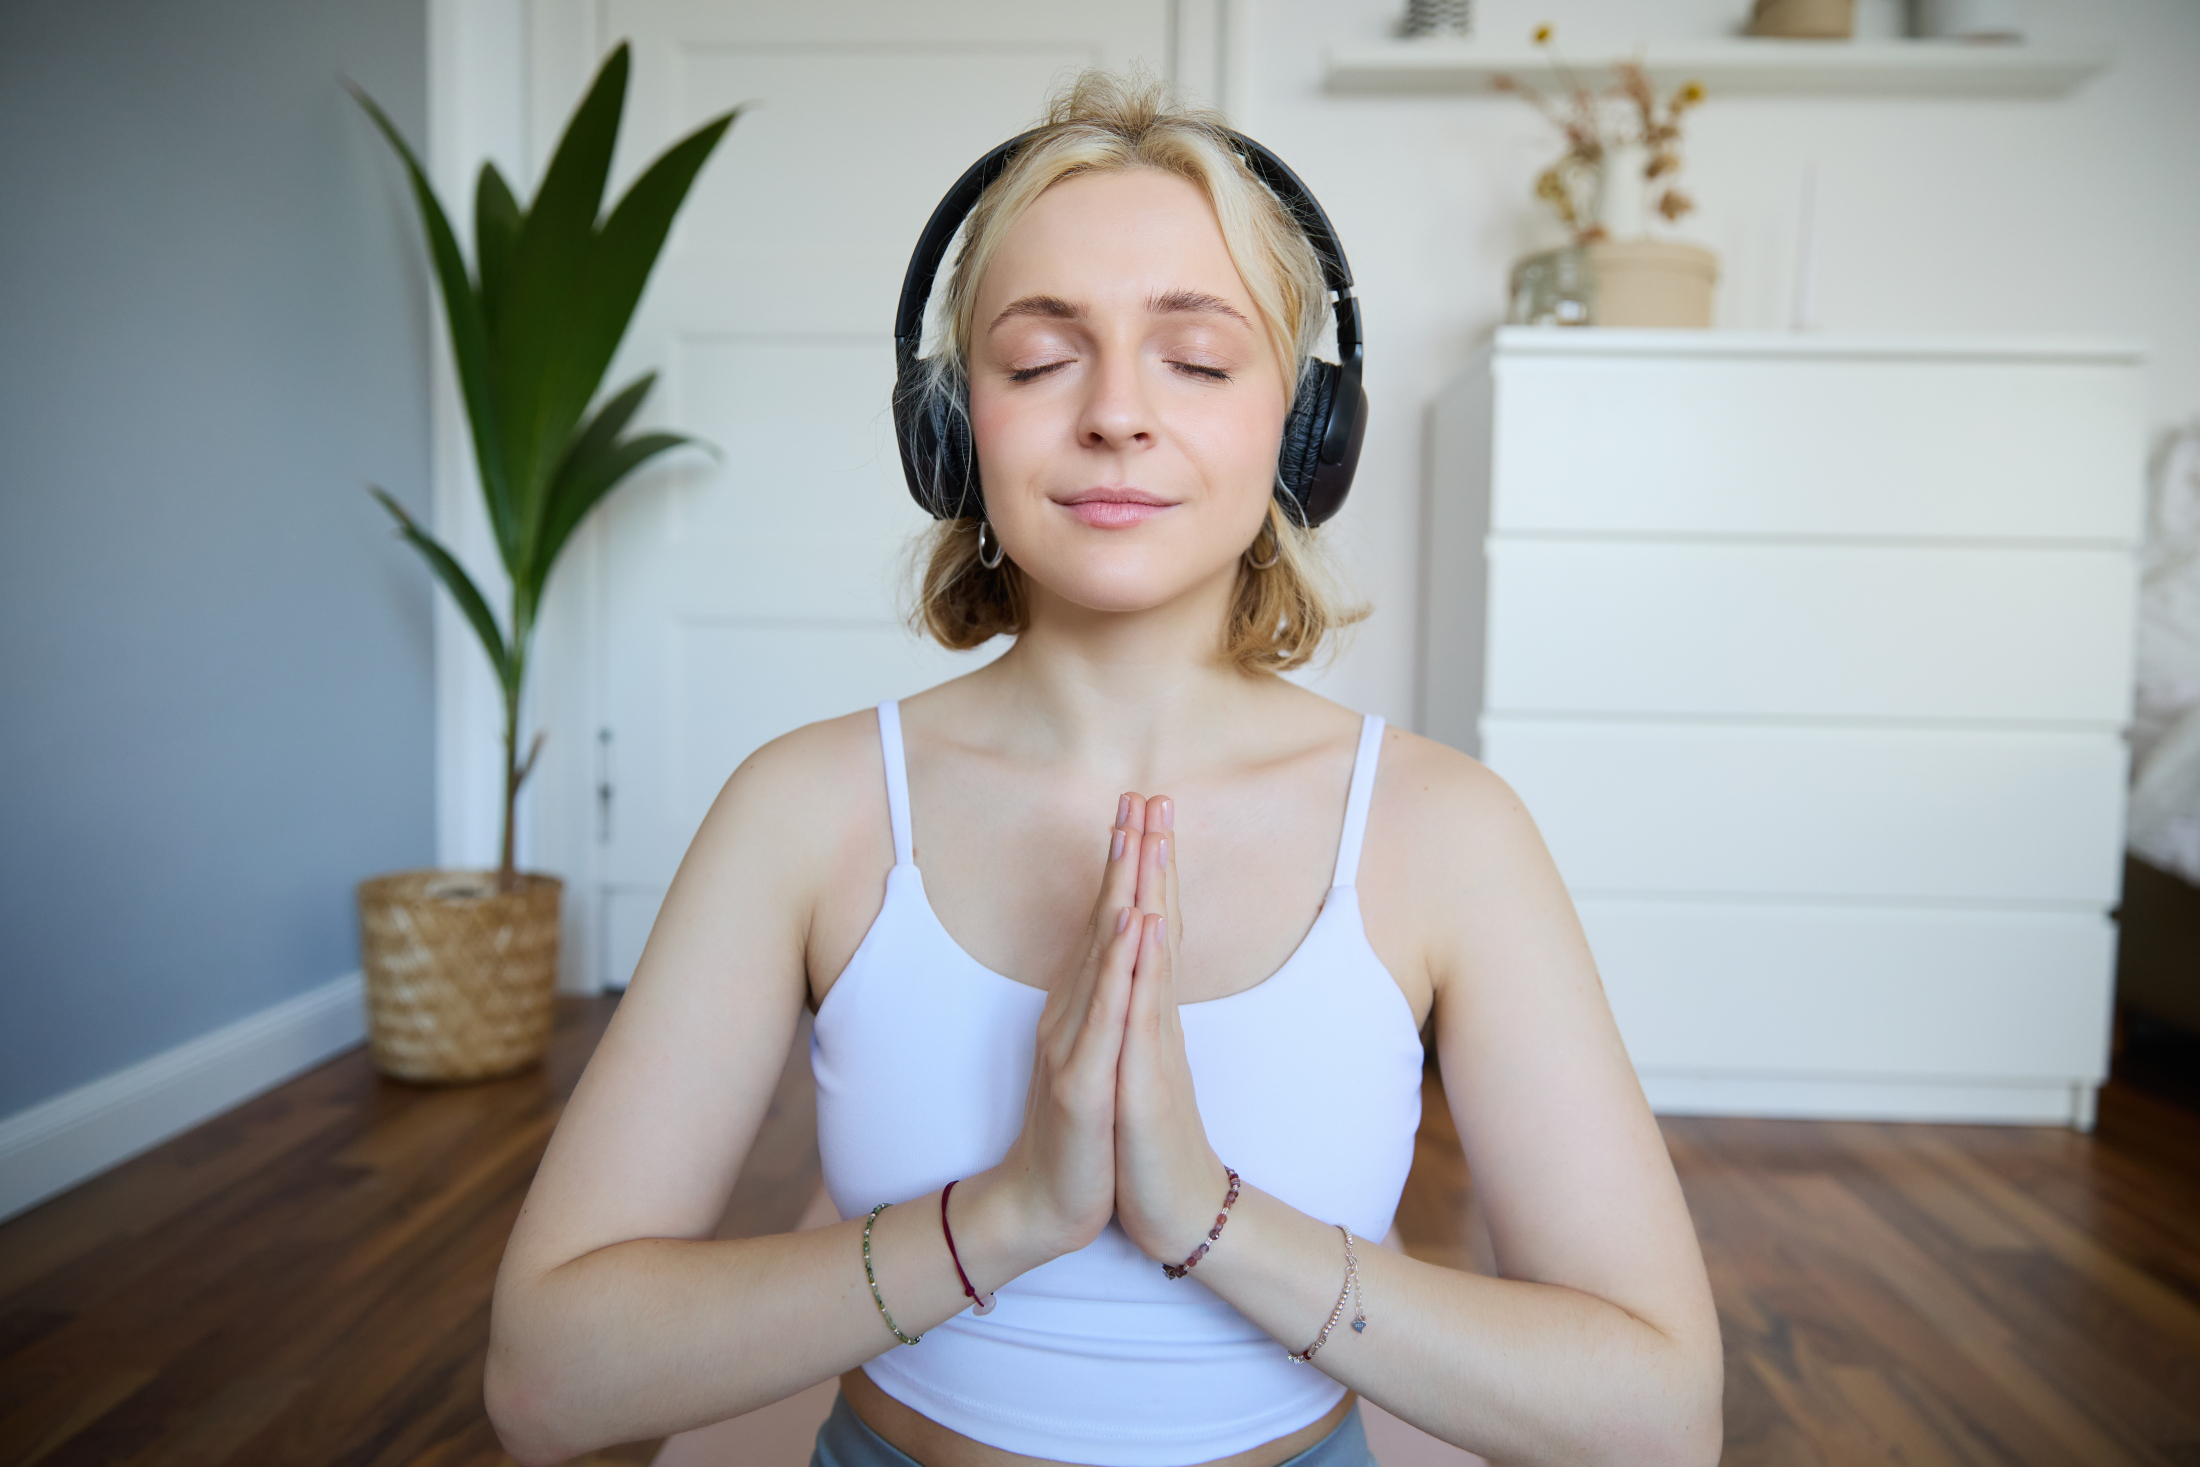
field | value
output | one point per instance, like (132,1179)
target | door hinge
(603,786)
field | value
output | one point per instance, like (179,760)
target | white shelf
(1630,341)
(1737,67)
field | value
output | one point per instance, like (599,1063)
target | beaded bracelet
(1359,1308)
(1178,1270)
(876,1297)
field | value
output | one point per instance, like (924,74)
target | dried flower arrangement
(1573,185)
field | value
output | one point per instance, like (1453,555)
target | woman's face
(1125,403)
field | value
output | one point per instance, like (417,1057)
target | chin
(1122,577)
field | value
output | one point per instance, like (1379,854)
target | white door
(739,598)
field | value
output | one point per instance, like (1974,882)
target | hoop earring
(1275,552)
(999,550)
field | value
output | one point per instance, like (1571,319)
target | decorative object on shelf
(1437,18)
(1612,274)
(1970,20)
(1554,288)
(1652,282)
(1812,20)
(461,966)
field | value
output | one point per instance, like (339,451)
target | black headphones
(1321,437)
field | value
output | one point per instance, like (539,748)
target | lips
(1115,507)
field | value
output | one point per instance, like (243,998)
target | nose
(1117,413)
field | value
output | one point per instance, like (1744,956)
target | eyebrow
(1053,307)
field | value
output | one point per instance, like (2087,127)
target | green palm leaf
(469,334)
(550,279)
(591,479)
(456,581)
(497,219)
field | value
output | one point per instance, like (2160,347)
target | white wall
(2079,214)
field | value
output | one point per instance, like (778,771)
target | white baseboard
(57,1143)
(2039,1103)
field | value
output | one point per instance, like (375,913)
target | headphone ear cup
(936,454)
(1299,457)
(1347,417)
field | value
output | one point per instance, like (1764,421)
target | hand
(1062,1164)
(1169,1183)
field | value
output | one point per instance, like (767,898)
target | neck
(1125,688)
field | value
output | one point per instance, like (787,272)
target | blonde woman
(1119,949)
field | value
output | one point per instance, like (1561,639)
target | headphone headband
(1328,412)
(948,215)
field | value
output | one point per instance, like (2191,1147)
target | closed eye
(1028,373)
(1212,374)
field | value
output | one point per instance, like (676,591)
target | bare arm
(1599,1342)
(617,1315)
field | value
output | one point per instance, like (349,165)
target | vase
(1971,20)
(1554,288)
(461,978)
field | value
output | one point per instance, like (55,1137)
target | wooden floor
(306,1279)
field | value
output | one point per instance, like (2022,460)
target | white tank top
(1309,1084)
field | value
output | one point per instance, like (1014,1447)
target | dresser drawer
(1950,815)
(1746,988)
(1788,444)
(1810,630)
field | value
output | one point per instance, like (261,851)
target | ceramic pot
(1652,282)
(1818,20)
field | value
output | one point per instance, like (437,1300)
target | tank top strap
(1356,803)
(897,780)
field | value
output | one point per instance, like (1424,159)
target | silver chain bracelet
(1352,1289)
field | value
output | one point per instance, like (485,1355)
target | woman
(1010,1028)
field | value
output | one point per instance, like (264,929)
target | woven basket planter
(460,977)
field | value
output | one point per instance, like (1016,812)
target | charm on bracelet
(1350,1290)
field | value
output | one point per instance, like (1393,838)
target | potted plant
(1613,273)
(461,965)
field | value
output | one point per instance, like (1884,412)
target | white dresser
(1811,656)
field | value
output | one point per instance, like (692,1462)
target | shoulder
(803,805)
(1453,856)
(1444,806)
(812,770)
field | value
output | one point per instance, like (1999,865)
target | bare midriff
(934,1445)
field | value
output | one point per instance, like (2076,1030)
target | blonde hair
(1282,613)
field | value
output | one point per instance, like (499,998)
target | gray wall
(216,693)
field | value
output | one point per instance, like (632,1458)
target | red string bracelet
(983,1301)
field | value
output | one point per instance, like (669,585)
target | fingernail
(1122,918)
(1168,814)
(1115,847)
(1123,811)
(1161,929)
(1164,850)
